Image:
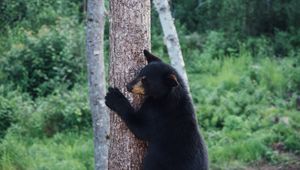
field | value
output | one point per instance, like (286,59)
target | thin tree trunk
(170,37)
(129,35)
(96,78)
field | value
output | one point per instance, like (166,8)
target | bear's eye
(144,80)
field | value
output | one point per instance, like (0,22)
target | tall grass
(246,105)
(63,151)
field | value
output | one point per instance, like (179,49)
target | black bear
(166,119)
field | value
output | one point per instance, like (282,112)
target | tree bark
(96,78)
(170,37)
(129,35)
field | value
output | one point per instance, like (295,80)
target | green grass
(245,105)
(63,151)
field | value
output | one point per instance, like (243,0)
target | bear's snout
(129,87)
(136,87)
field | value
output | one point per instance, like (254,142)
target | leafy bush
(215,44)
(239,17)
(12,104)
(65,110)
(34,13)
(259,47)
(6,115)
(62,111)
(38,62)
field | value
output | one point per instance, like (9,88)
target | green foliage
(59,152)
(34,13)
(12,104)
(243,63)
(6,115)
(215,44)
(237,16)
(62,111)
(41,107)
(41,44)
(65,110)
(246,106)
(242,21)
(39,61)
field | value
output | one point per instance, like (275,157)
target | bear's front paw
(116,101)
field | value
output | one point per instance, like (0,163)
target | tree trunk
(129,35)
(170,37)
(96,78)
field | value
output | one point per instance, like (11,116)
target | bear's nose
(129,87)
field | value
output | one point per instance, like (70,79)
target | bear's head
(156,79)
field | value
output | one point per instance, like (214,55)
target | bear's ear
(172,80)
(150,57)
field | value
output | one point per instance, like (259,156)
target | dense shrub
(6,115)
(12,104)
(38,62)
(237,16)
(65,110)
(62,111)
(32,14)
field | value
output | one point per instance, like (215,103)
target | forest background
(242,59)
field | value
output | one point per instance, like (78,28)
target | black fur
(166,119)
